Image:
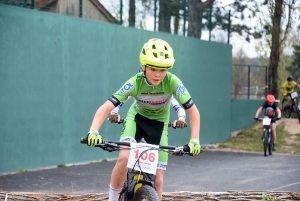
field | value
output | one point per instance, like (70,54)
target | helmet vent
(144,51)
(153,46)
(166,48)
(166,56)
(155,54)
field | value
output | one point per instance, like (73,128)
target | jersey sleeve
(264,105)
(178,109)
(116,109)
(180,92)
(128,89)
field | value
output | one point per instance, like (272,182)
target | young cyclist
(148,116)
(114,117)
(271,109)
(288,87)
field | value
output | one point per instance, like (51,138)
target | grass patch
(269,198)
(22,170)
(249,139)
(61,165)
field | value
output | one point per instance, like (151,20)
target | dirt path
(291,125)
(176,196)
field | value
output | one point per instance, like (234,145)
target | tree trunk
(164,16)
(275,49)
(132,13)
(195,15)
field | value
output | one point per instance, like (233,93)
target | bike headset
(270,98)
(290,78)
(157,54)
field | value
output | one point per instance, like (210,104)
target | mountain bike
(142,164)
(267,135)
(293,107)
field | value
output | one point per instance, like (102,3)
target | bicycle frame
(267,135)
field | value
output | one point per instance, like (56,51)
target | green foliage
(22,170)
(267,197)
(294,69)
(61,165)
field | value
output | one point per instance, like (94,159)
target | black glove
(255,118)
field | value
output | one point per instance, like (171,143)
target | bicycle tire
(265,142)
(146,193)
(286,111)
(123,194)
(270,147)
(297,110)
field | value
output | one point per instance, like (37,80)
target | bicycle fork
(269,133)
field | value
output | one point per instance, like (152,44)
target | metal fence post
(210,23)
(121,12)
(80,8)
(266,82)
(32,4)
(248,82)
(229,26)
(184,16)
(155,9)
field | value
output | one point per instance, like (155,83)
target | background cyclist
(287,88)
(271,108)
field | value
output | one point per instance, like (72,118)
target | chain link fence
(249,81)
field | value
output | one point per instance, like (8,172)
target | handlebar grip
(171,125)
(83,140)
(120,122)
(186,148)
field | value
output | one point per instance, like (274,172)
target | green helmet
(157,53)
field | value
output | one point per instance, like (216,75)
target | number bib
(294,95)
(147,161)
(266,121)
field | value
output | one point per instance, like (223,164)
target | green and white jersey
(153,102)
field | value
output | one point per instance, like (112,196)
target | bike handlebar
(261,119)
(110,146)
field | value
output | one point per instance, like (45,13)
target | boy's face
(154,76)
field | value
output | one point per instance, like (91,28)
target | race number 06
(145,156)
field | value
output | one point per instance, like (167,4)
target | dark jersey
(269,109)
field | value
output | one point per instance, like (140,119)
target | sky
(236,41)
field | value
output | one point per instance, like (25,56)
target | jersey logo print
(155,102)
(180,89)
(149,92)
(126,88)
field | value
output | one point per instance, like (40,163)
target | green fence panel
(55,71)
(243,112)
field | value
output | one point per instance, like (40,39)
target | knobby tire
(146,193)
(270,146)
(287,112)
(123,195)
(297,110)
(265,141)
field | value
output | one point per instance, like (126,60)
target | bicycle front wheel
(123,194)
(266,142)
(286,110)
(297,110)
(146,193)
